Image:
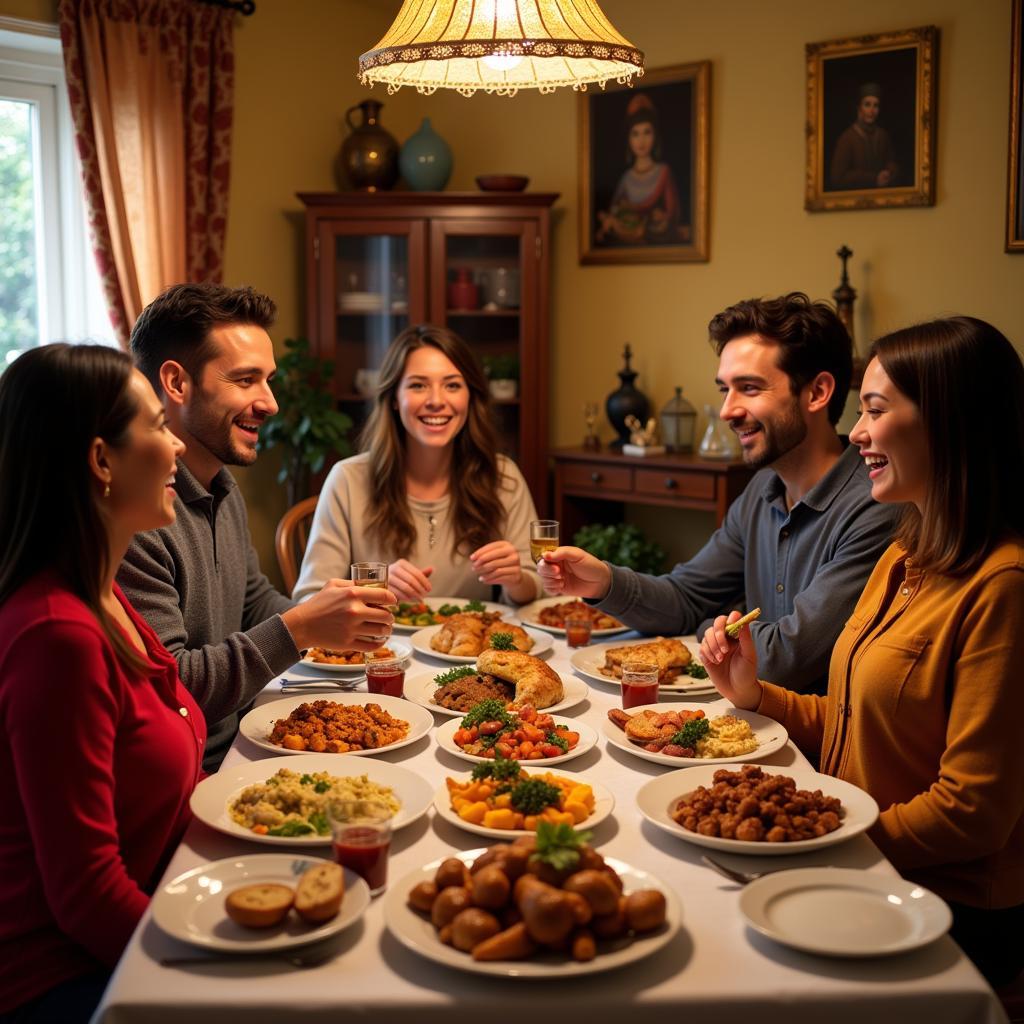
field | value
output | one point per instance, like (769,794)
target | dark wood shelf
(484,312)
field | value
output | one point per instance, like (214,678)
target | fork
(299,958)
(311,685)
(739,877)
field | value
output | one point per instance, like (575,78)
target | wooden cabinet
(585,481)
(378,262)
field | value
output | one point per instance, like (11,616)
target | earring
(106,490)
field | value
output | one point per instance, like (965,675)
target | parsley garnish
(696,670)
(502,642)
(558,740)
(473,606)
(695,729)
(487,711)
(501,769)
(559,845)
(531,796)
(454,673)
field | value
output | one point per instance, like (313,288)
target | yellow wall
(296,76)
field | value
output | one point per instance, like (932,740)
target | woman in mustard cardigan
(925,704)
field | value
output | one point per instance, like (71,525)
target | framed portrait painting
(871,117)
(644,168)
(1015,190)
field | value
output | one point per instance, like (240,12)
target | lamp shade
(500,46)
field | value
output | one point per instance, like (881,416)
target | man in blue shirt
(801,540)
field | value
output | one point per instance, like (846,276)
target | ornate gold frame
(697,249)
(1014,199)
(922,193)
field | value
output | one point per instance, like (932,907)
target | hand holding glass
(372,574)
(543,537)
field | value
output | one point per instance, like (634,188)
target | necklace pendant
(431,523)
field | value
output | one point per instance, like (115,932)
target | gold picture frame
(657,213)
(871,120)
(1015,177)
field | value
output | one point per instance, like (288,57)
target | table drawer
(577,475)
(668,484)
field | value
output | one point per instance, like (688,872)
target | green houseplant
(307,426)
(621,544)
(503,373)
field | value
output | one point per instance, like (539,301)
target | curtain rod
(244,7)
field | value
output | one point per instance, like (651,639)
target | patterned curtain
(150,84)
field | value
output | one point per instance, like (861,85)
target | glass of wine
(372,574)
(543,537)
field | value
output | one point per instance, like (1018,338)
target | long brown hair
(968,383)
(476,508)
(54,401)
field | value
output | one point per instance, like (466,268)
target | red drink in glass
(364,850)
(577,631)
(635,694)
(386,677)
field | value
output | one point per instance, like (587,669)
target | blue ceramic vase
(426,160)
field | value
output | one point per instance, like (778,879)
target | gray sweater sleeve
(223,674)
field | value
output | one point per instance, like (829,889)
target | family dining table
(715,968)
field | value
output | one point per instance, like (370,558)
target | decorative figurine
(591,443)
(845,295)
(642,437)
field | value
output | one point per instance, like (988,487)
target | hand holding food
(569,570)
(409,582)
(732,664)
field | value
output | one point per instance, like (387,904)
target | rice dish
(295,804)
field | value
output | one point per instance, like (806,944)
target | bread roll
(319,893)
(259,906)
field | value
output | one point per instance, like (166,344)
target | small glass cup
(639,683)
(543,537)
(361,835)
(578,629)
(386,675)
(372,574)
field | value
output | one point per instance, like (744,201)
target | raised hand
(497,563)
(732,664)
(341,617)
(408,582)
(574,572)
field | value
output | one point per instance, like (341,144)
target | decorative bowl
(502,182)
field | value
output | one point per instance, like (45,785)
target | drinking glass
(386,675)
(543,537)
(639,683)
(578,629)
(372,574)
(361,835)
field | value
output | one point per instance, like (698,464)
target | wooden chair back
(291,539)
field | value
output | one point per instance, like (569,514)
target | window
(49,286)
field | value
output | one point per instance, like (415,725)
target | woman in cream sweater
(429,495)
(924,705)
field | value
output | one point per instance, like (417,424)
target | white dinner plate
(210,799)
(658,797)
(771,736)
(604,803)
(542,643)
(588,661)
(844,912)
(588,738)
(191,906)
(258,723)
(420,688)
(401,649)
(415,931)
(506,611)
(529,615)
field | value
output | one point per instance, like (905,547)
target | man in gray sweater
(197,582)
(801,540)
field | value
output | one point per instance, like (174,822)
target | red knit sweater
(96,768)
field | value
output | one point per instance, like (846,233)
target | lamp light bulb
(502,61)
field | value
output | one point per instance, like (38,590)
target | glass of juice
(361,834)
(386,675)
(639,683)
(578,629)
(371,574)
(543,537)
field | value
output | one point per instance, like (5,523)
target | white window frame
(70,298)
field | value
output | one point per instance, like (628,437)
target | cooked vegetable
(531,796)
(696,670)
(733,629)
(501,769)
(291,828)
(695,729)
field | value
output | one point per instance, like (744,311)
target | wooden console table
(675,481)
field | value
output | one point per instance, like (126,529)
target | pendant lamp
(500,46)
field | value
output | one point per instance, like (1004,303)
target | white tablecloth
(715,969)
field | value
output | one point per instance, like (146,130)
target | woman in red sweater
(924,702)
(102,744)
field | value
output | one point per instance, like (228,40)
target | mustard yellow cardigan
(925,711)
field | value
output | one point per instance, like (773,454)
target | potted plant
(621,544)
(503,374)
(307,426)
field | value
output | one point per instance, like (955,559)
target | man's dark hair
(177,323)
(811,340)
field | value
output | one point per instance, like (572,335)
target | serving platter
(211,798)
(771,736)
(507,612)
(604,804)
(415,931)
(843,912)
(542,644)
(400,648)
(588,737)
(529,614)
(191,907)
(258,723)
(657,798)
(588,661)
(420,688)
